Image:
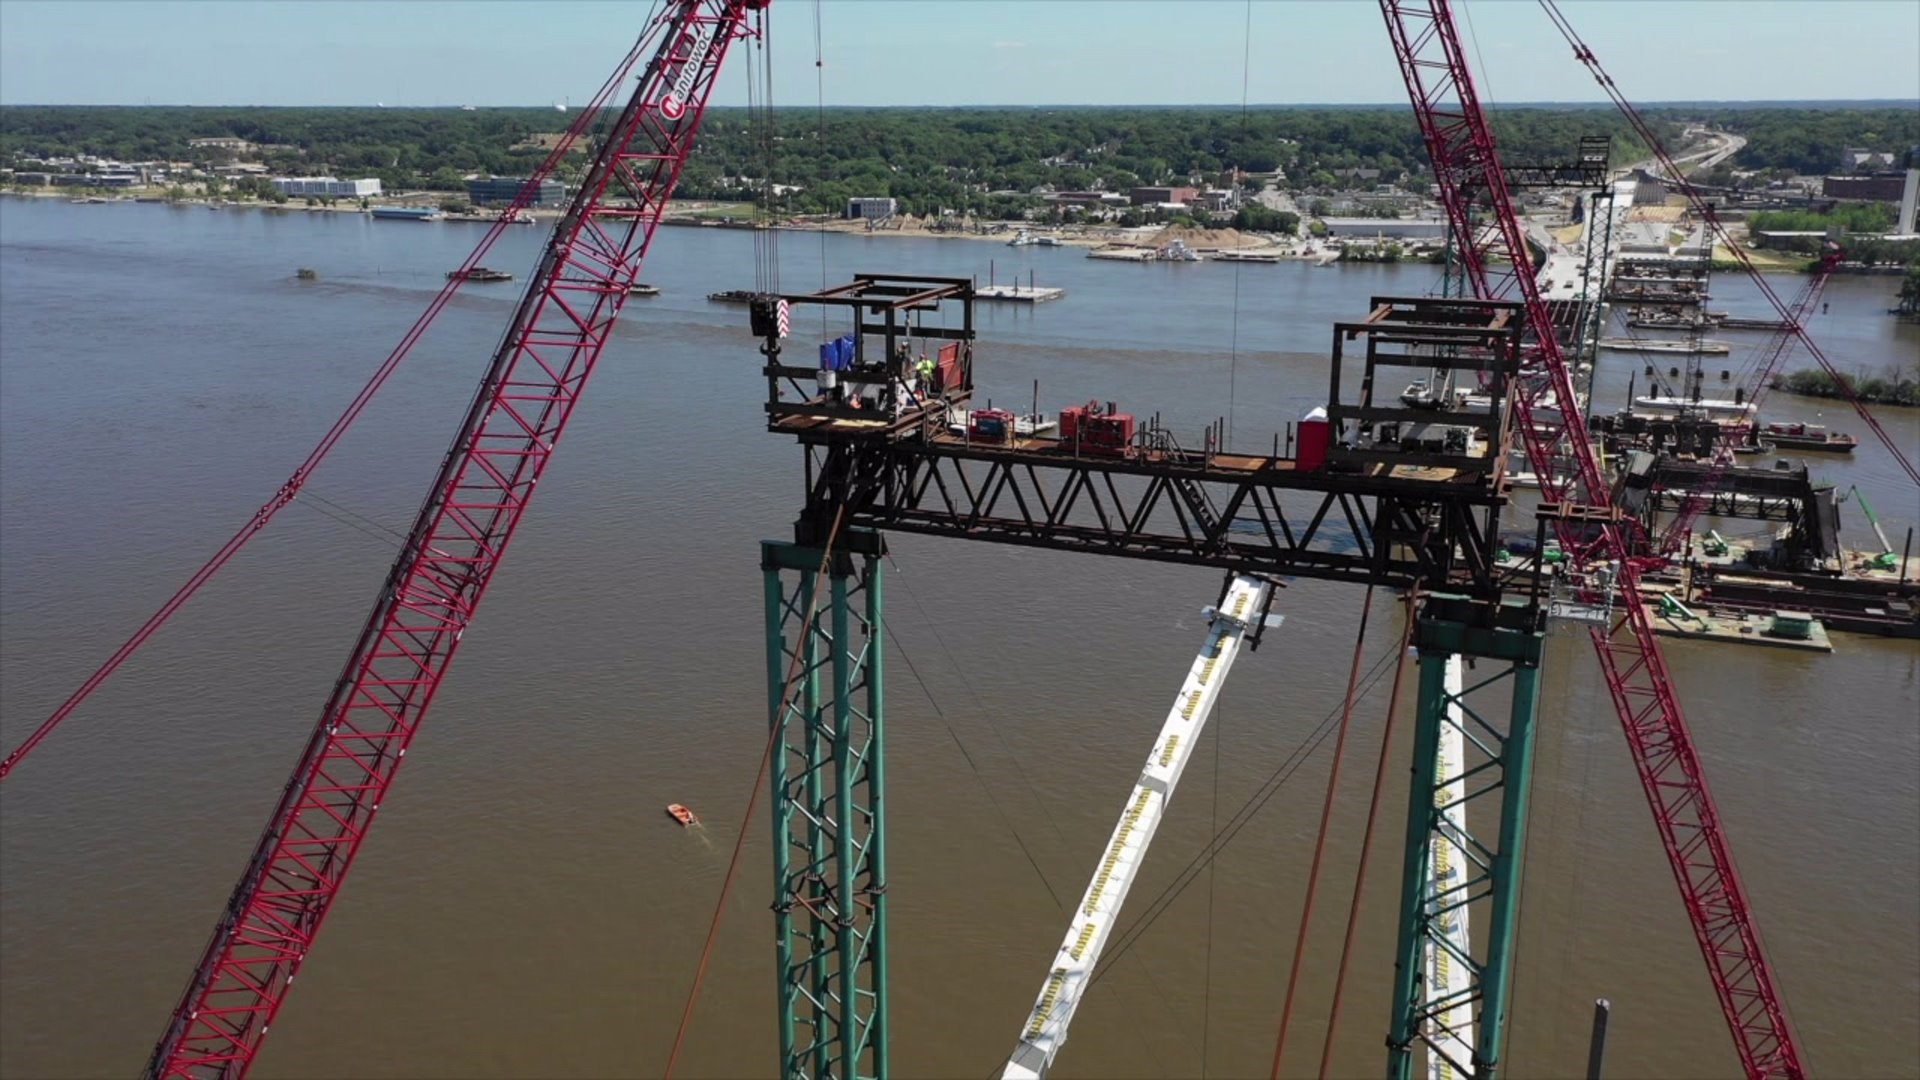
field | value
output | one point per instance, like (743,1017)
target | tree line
(964,160)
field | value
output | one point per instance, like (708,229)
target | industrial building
(327,186)
(1391,228)
(1153,196)
(489,190)
(871,207)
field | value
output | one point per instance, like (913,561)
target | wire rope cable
(1320,838)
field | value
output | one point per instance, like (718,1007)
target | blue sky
(941,52)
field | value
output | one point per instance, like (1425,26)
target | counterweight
(464,526)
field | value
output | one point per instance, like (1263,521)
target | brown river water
(524,909)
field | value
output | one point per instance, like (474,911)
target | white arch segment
(1092,921)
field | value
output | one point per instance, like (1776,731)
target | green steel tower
(824,678)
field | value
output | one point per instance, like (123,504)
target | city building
(1878,187)
(1855,158)
(237,146)
(298,186)
(1220,200)
(1391,228)
(1150,196)
(872,207)
(488,190)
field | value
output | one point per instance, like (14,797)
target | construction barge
(1800,566)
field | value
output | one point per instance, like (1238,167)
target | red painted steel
(1466,168)
(456,543)
(1776,351)
(1677,179)
(290,490)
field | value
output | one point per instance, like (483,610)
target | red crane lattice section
(456,543)
(1465,165)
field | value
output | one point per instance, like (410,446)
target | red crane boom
(456,543)
(1548,413)
(1776,350)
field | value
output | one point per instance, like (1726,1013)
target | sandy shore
(700,215)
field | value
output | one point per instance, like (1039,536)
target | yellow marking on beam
(1045,1009)
(1086,936)
(1166,756)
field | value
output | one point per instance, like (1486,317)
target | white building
(1390,228)
(325,185)
(871,207)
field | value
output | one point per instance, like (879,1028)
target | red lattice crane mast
(1547,412)
(453,549)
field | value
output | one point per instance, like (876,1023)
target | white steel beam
(1126,850)
(1447,978)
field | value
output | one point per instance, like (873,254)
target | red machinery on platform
(1090,429)
(1548,414)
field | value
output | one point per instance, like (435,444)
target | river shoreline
(698,214)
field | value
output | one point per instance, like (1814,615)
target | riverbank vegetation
(966,160)
(1889,387)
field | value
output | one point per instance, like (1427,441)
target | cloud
(1009,44)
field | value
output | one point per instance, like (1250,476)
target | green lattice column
(1473,755)
(824,694)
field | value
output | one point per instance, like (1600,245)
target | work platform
(1369,490)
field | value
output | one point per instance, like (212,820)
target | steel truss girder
(1448,998)
(1336,527)
(824,701)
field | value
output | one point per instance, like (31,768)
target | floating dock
(1019,294)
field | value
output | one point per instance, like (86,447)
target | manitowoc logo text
(674,105)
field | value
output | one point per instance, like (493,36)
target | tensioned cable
(986,714)
(1146,970)
(775,725)
(1213,867)
(973,765)
(378,379)
(820,139)
(1233,348)
(1366,837)
(1240,819)
(1320,839)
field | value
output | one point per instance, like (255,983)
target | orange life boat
(681,814)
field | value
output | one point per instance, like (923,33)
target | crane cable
(1233,349)
(775,725)
(1320,840)
(1366,838)
(1213,826)
(761,142)
(295,483)
(1239,821)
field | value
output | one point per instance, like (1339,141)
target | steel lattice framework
(1450,874)
(829,819)
(505,441)
(1461,148)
